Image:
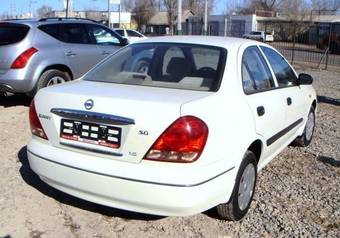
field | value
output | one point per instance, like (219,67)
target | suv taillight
(183,141)
(21,61)
(35,124)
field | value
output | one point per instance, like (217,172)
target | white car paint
(165,188)
(131,35)
(259,35)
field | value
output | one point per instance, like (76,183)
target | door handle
(260,111)
(289,101)
(70,53)
(105,52)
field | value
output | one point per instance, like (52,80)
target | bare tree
(143,10)
(197,6)
(171,8)
(44,11)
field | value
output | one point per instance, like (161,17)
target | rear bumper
(134,194)
(16,81)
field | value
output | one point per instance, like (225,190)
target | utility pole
(205,30)
(67,8)
(109,12)
(179,17)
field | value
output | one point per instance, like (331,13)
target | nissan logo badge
(89,104)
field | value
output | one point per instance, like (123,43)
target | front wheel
(306,138)
(243,191)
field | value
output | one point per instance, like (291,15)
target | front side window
(102,36)
(168,65)
(133,33)
(284,74)
(256,75)
(120,32)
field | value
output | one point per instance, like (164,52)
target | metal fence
(313,43)
(306,42)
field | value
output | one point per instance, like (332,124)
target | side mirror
(305,79)
(124,42)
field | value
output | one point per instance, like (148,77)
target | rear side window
(52,30)
(75,33)
(12,33)
(256,75)
(284,74)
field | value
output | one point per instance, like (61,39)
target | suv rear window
(11,33)
(168,65)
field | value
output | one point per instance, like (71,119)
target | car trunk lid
(136,116)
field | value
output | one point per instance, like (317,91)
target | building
(159,23)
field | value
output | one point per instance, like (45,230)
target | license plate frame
(90,133)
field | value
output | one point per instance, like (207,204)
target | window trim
(271,68)
(266,63)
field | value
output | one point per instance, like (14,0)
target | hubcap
(55,80)
(246,188)
(310,126)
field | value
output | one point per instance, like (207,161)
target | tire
(237,207)
(306,138)
(47,77)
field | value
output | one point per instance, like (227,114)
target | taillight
(35,124)
(183,141)
(21,61)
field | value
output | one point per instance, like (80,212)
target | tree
(44,11)
(171,8)
(143,10)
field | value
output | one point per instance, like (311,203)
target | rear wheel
(49,78)
(243,191)
(306,138)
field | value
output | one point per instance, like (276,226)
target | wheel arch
(60,67)
(256,147)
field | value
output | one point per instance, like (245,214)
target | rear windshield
(12,33)
(169,65)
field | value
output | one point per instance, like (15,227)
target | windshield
(170,65)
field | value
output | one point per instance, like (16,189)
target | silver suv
(39,53)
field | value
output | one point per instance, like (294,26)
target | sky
(16,7)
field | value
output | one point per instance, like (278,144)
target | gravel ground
(298,193)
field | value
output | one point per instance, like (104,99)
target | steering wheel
(206,72)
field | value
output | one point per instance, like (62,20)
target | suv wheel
(50,77)
(243,191)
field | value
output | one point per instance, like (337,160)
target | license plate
(91,133)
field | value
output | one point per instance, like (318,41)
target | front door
(265,101)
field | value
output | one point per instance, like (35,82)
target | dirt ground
(298,194)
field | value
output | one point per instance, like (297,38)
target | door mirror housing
(305,79)
(124,42)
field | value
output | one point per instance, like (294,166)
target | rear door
(294,96)
(106,40)
(266,103)
(79,49)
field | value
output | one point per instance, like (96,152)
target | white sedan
(172,125)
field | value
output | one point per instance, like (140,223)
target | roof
(220,41)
